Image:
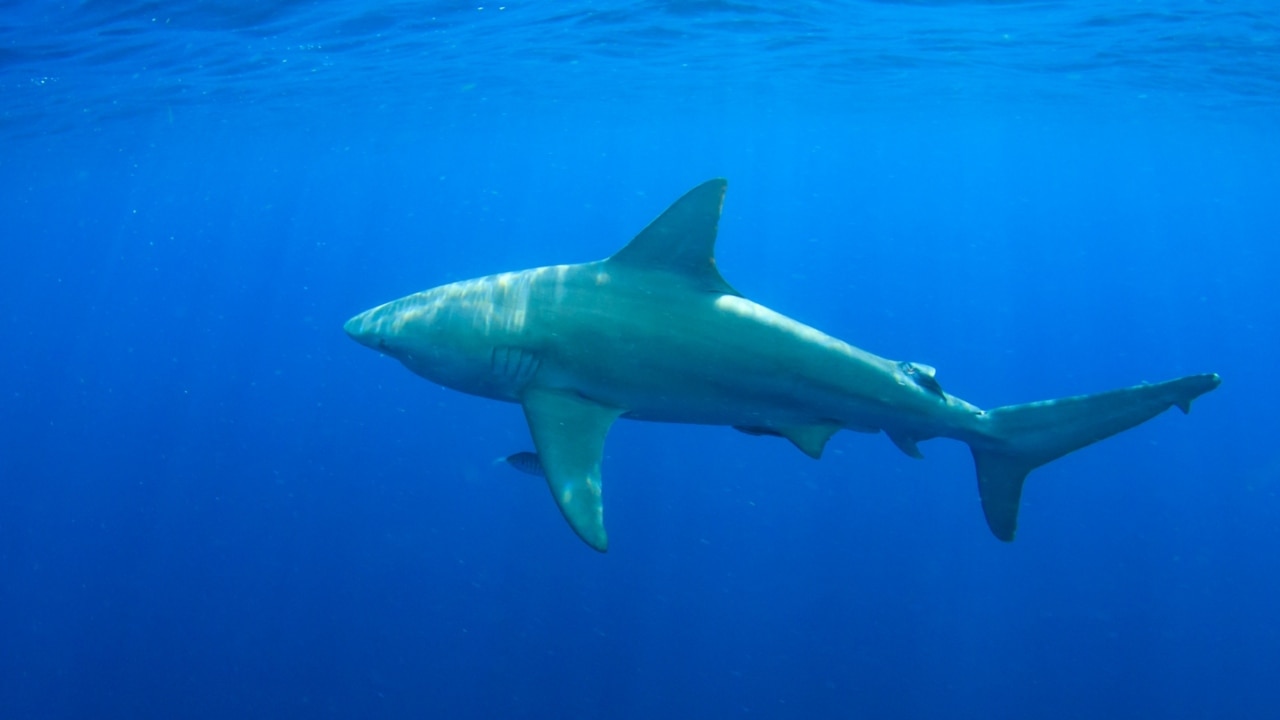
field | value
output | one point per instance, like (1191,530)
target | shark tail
(1017,439)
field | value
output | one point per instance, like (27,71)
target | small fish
(525,462)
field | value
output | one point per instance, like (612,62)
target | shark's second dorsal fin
(682,241)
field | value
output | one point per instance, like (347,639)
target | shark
(655,333)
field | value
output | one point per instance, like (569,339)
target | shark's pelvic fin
(682,241)
(906,444)
(1020,438)
(569,432)
(811,439)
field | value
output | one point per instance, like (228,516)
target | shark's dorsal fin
(569,432)
(682,241)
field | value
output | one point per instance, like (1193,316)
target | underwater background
(214,504)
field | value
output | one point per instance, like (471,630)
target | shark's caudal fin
(1020,438)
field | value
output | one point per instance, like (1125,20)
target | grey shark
(655,333)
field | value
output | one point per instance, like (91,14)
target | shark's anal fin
(682,241)
(569,432)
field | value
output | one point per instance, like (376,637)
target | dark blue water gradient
(78,63)
(213,503)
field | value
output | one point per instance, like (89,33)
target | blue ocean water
(214,504)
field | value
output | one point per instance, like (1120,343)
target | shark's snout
(354,327)
(363,330)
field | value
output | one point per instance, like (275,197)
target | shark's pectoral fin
(569,432)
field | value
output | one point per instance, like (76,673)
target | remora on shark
(655,333)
